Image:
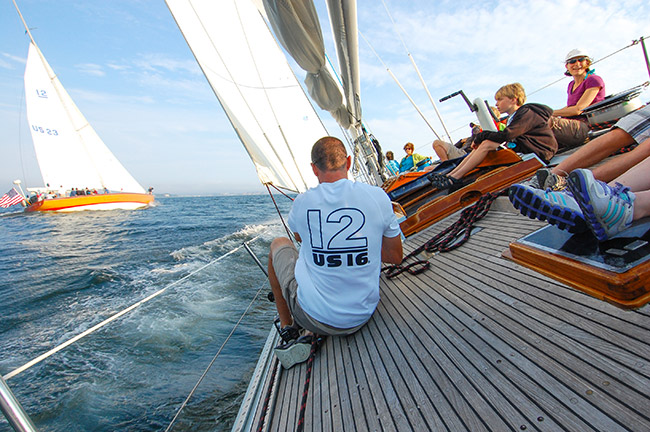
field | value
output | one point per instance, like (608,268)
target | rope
(449,239)
(634,42)
(205,372)
(267,398)
(110,319)
(305,392)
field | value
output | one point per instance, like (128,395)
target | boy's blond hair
(512,91)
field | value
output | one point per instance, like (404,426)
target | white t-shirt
(341,225)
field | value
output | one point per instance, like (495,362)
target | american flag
(10,198)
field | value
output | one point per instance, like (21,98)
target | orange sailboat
(70,154)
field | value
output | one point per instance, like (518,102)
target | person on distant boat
(630,130)
(391,164)
(73,192)
(347,229)
(605,209)
(569,126)
(413,161)
(527,132)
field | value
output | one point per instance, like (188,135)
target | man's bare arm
(391,250)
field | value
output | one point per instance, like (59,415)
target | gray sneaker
(294,352)
(608,210)
(544,179)
(557,208)
(553,182)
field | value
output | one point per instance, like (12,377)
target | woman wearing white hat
(569,126)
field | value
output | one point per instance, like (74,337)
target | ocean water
(60,274)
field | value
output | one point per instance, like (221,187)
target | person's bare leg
(641,204)
(280,303)
(440,149)
(594,151)
(622,163)
(473,159)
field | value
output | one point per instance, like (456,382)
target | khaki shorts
(569,133)
(452,151)
(284,263)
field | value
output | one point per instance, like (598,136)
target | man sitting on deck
(347,229)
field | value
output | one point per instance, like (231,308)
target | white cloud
(91,69)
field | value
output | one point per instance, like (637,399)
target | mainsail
(296,26)
(255,86)
(70,153)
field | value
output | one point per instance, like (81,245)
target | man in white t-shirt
(331,287)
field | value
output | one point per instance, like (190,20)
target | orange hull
(110,201)
(443,206)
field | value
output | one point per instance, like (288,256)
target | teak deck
(476,343)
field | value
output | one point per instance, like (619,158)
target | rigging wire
(415,66)
(634,42)
(114,317)
(390,72)
(207,369)
(277,209)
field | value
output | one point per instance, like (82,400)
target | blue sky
(131,73)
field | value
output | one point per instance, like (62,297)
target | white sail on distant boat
(70,154)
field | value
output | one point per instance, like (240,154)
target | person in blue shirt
(391,164)
(413,161)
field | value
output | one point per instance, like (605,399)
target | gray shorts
(284,263)
(637,124)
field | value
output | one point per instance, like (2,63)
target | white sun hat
(576,52)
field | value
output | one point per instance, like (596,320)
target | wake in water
(135,372)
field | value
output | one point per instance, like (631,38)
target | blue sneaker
(608,210)
(557,208)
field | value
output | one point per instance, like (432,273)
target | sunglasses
(579,59)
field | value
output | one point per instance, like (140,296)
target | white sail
(69,151)
(255,85)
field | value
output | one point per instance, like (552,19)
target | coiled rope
(449,239)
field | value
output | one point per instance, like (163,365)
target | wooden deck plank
(479,343)
(463,343)
(414,403)
(357,414)
(437,371)
(549,371)
(373,399)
